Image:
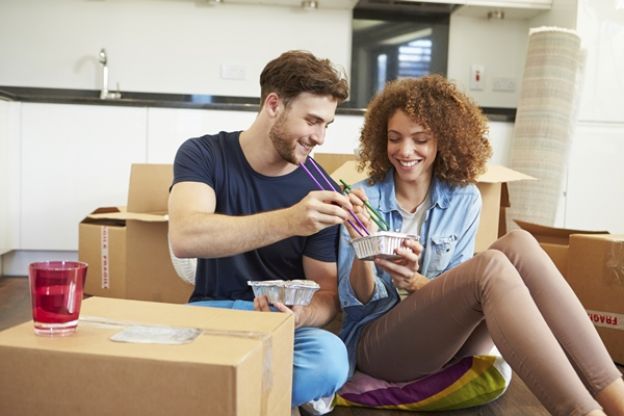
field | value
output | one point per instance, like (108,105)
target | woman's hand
(357,197)
(404,271)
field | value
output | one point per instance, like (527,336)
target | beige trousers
(510,295)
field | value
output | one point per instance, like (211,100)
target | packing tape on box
(104,243)
(606,319)
(136,332)
(614,264)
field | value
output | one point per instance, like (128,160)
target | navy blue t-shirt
(219,162)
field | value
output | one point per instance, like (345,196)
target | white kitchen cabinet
(169,127)
(512,9)
(9,174)
(601,27)
(297,4)
(515,4)
(74,158)
(595,190)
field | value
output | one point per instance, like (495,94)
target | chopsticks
(374,214)
(359,227)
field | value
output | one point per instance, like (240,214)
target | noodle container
(381,244)
(288,292)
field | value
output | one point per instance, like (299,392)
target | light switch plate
(503,84)
(230,71)
(477,77)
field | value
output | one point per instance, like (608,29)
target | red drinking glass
(56,289)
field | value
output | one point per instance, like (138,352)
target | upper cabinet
(516,4)
(302,4)
(508,9)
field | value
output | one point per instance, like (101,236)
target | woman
(424,144)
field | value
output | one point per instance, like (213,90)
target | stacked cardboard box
(127,249)
(593,264)
(240,364)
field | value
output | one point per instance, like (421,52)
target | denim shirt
(448,237)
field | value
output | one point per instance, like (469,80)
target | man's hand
(261,304)
(318,210)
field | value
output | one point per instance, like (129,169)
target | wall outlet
(477,77)
(229,71)
(504,84)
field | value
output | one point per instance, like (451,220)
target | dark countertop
(148,99)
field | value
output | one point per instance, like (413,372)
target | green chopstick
(375,215)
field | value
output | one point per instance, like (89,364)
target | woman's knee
(496,269)
(516,239)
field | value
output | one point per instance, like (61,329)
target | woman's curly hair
(454,119)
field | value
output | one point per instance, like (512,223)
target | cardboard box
(127,249)
(554,241)
(492,185)
(593,264)
(596,273)
(240,365)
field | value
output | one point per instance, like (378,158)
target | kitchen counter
(148,99)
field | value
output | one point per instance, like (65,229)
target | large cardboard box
(596,273)
(555,241)
(492,185)
(593,264)
(241,364)
(127,249)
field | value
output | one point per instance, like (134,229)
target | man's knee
(321,365)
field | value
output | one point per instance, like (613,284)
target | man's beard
(283,141)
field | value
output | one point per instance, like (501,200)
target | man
(243,206)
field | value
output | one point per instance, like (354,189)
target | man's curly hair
(455,121)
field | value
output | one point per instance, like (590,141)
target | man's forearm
(215,235)
(321,310)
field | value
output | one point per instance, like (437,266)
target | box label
(606,319)
(104,241)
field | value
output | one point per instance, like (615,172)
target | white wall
(562,14)
(168,46)
(500,46)
(175,46)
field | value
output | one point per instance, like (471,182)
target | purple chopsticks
(359,227)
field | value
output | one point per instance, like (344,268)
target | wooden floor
(517,401)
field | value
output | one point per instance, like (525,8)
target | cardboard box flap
(553,235)
(348,172)
(149,187)
(332,161)
(502,174)
(124,216)
(109,210)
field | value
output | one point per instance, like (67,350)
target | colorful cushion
(473,381)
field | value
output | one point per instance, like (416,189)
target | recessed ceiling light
(309,4)
(496,14)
